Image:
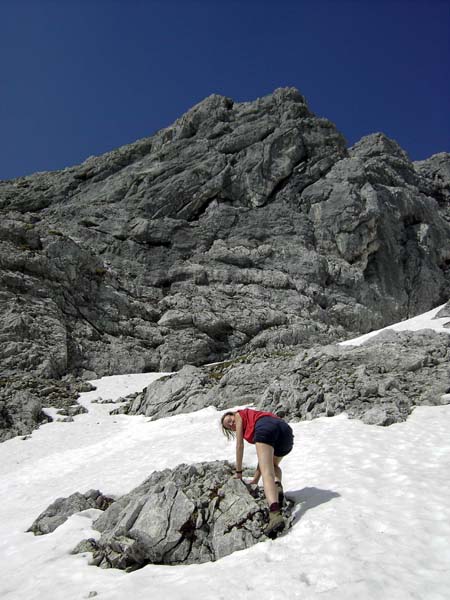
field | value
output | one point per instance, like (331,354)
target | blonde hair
(228,433)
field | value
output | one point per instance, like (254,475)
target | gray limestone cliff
(243,227)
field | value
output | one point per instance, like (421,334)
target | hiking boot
(280,493)
(276,524)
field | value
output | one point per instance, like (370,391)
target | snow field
(372,516)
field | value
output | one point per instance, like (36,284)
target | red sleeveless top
(249,418)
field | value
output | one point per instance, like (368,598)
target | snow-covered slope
(372,512)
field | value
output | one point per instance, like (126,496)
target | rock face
(444,312)
(241,226)
(23,397)
(380,382)
(59,511)
(435,172)
(193,514)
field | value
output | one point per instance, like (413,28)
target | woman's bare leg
(276,466)
(267,468)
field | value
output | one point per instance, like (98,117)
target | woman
(273,439)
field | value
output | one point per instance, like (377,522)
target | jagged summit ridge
(274,134)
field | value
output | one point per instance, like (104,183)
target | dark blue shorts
(276,433)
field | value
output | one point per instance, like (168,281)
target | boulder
(191,514)
(61,509)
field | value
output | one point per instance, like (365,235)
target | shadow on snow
(309,497)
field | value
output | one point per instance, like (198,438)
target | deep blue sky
(82,77)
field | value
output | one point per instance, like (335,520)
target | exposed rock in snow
(380,382)
(444,312)
(23,399)
(191,514)
(62,508)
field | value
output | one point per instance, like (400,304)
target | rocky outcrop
(184,393)
(241,226)
(61,509)
(380,382)
(444,312)
(23,399)
(192,514)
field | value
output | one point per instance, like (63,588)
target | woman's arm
(239,445)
